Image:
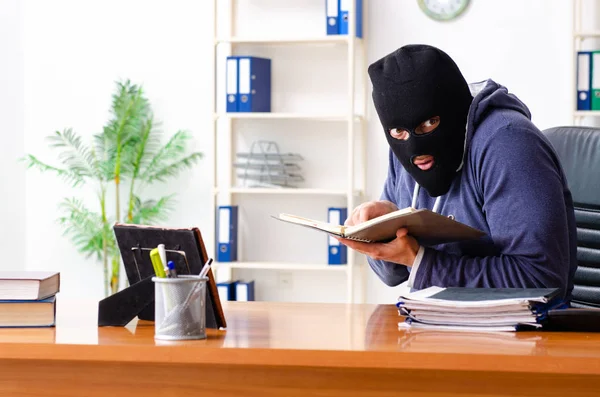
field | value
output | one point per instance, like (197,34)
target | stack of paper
(477,309)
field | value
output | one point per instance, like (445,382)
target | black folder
(573,320)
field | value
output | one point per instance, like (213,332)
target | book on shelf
(28,285)
(421,223)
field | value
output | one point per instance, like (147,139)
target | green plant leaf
(84,227)
(167,161)
(145,143)
(104,156)
(77,158)
(68,175)
(173,169)
(174,148)
(151,211)
(130,109)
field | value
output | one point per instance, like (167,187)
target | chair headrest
(578,149)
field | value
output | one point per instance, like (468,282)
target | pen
(171,269)
(206,268)
(196,290)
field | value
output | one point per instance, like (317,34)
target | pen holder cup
(179,308)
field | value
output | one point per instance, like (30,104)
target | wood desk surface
(305,335)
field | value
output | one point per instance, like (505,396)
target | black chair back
(578,149)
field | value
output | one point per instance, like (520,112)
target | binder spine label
(227,234)
(331,17)
(344,17)
(338,253)
(231,84)
(595,91)
(583,81)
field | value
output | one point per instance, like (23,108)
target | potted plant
(125,157)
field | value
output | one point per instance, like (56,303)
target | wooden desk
(278,349)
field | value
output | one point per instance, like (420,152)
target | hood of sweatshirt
(488,96)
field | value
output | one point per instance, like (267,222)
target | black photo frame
(184,246)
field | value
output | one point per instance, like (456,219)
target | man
(472,153)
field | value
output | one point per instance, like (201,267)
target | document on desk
(477,309)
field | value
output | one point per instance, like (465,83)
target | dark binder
(573,320)
(184,247)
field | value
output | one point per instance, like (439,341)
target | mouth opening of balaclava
(410,86)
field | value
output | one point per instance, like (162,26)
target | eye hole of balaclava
(424,128)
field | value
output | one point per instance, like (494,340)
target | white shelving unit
(287,116)
(291,191)
(226,194)
(338,39)
(283,266)
(579,36)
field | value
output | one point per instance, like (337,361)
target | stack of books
(478,309)
(28,299)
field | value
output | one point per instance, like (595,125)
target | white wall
(74,51)
(12,176)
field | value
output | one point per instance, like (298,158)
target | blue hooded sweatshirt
(512,187)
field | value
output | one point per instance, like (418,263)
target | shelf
(281,266)
(282,116)
(586,34)
(229,187)
(587,113)
(333,39)
(260,190)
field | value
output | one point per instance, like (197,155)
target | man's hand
(370,210)
(402,250)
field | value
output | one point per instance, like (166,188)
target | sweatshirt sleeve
(390,273)
(522,195)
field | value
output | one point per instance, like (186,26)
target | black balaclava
(410,86)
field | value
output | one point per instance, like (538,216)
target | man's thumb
(401,232)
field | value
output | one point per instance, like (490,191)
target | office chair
(578,149)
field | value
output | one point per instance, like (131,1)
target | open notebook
(421,223)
